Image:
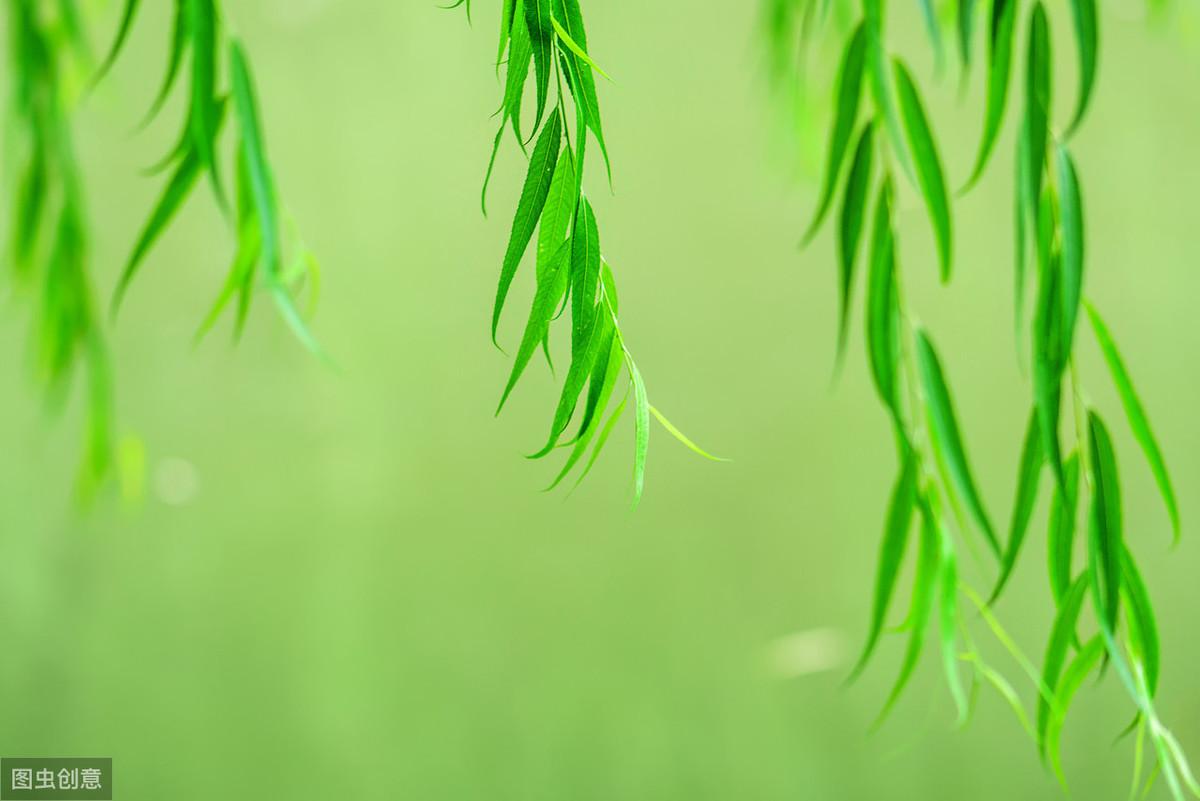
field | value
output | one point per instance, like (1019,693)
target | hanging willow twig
(48,247)
(936,483)
(545,41)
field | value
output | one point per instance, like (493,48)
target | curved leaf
(1061,637)
(1071,232)
(1004,14)
(1105,536)
(1038,66)
(850,226)
(1077,671)
(882,311)
(1027,487)
(1142,625)
(1061,534)
(1087,37)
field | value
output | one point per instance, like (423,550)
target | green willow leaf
(1022,211)
(641,412)
(1048,362)
(575,48)
(602,440)
(507,10)
(128,14)
(1027,488)
(262,184)
(947,439)
(610,370)
(545,302)
(1061,638)
(933,30)
(1004,14)
(925,584)
(891,555)
(177,190)
(882,304)
(541,37)
(1071,230)
(529,210)
(1037,103)
(1082,666)
(1087,37)
(682,438)
(520,57)
(850,226)
(966,31)
(1061,531)
(928,164)
(240,279)
(557,213)
(180,40)
(1105,536)
(202,26)
(948,620)
(849,90)
(1139,423)
(580,79)
(1143,626)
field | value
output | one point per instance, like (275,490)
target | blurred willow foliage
(50,60)
(881,136)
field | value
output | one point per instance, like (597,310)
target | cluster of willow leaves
(882,142)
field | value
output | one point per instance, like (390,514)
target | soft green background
(348,585)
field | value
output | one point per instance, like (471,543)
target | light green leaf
(128,14)
(1071,231)
(1142,625)
(576,49)
(1061,638)
(928,164)
(581,81)
(849,90)
(1136,413)
(202,26)
(1027,488)
(683,439)
(1061,534)
(641,411)
(947,439)
(529,210)
(948,617)
(1072,679)
(262,183)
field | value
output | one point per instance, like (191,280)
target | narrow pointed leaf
(545,301)
(541,37)
(180,40)
(128,14)
(202,26)
(1072,234)
(683,438)
(948,620)
(1105,536)
(849,90)
(1136,413)
(1004,14)
(1087,37)
(1048,359)
(1061,638)
(928,164)
(1143,627)
(854,206)
(882,309)
(1082,666)
(1061,534)
(262,183)
(947,437)
(1038,66)
(641,411)
(1027,487)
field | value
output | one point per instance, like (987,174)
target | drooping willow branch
(936,483)
(544,41)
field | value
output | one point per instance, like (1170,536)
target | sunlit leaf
(641,413)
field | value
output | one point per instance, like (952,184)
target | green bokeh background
(348,585)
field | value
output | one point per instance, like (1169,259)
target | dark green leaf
(202,26)
(529,209)
(1004,14)
(1087,36)
(934,30)
(928,164)
(849,90)
(1136,413)
(854,205)
(1143,628)
(891,555)
(545,301)
(946,436)
(1048,363)
(1071,229)
(882,311)
(1105,537)
(1037,102)
(1027,487)
(541,37)
(966,31)
(179,44)
(1061,534)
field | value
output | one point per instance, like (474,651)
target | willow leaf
(1004,14)
(180,40)
(1071,229)
(1027,487)
(602,440)
(682,438)
(928,164)
(1047,362)
(541,37)
(262,184)
(545,301)
(966,31)
(1037,101)
(1061,638)
(1087,37)
(1136,413)
(520,56)
(128,14)
(925,584)
(947,437)
(933,30)
(882,307)
(507,12)
(849,90)
(176,192)
(202,26)
(582,82)
(529,209)
(1022,211)
(575,48)
(612,363)
(641,413)
(1061,530)
(1072,679)
(854,206)
(891,555)
(240,279)
(558,212)
(1141,619)
(1105,536)
(948,619)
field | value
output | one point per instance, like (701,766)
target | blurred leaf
(1061,534)
(1072,679)
(966,30)
(1136,413)
(891,555)
(1048,351)
(934,31)
(948,616)
(1027,487)
(128,14)
(262,183)
(641,411)
(1087,37)
(1106,540)
(882,312)
(1142,625)
(1061,638)
(203,116)
(928,164)
(849,89)
(946,436)
(1038,66)
(858,187)
(1071,231)
(999,69)
(180,40)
